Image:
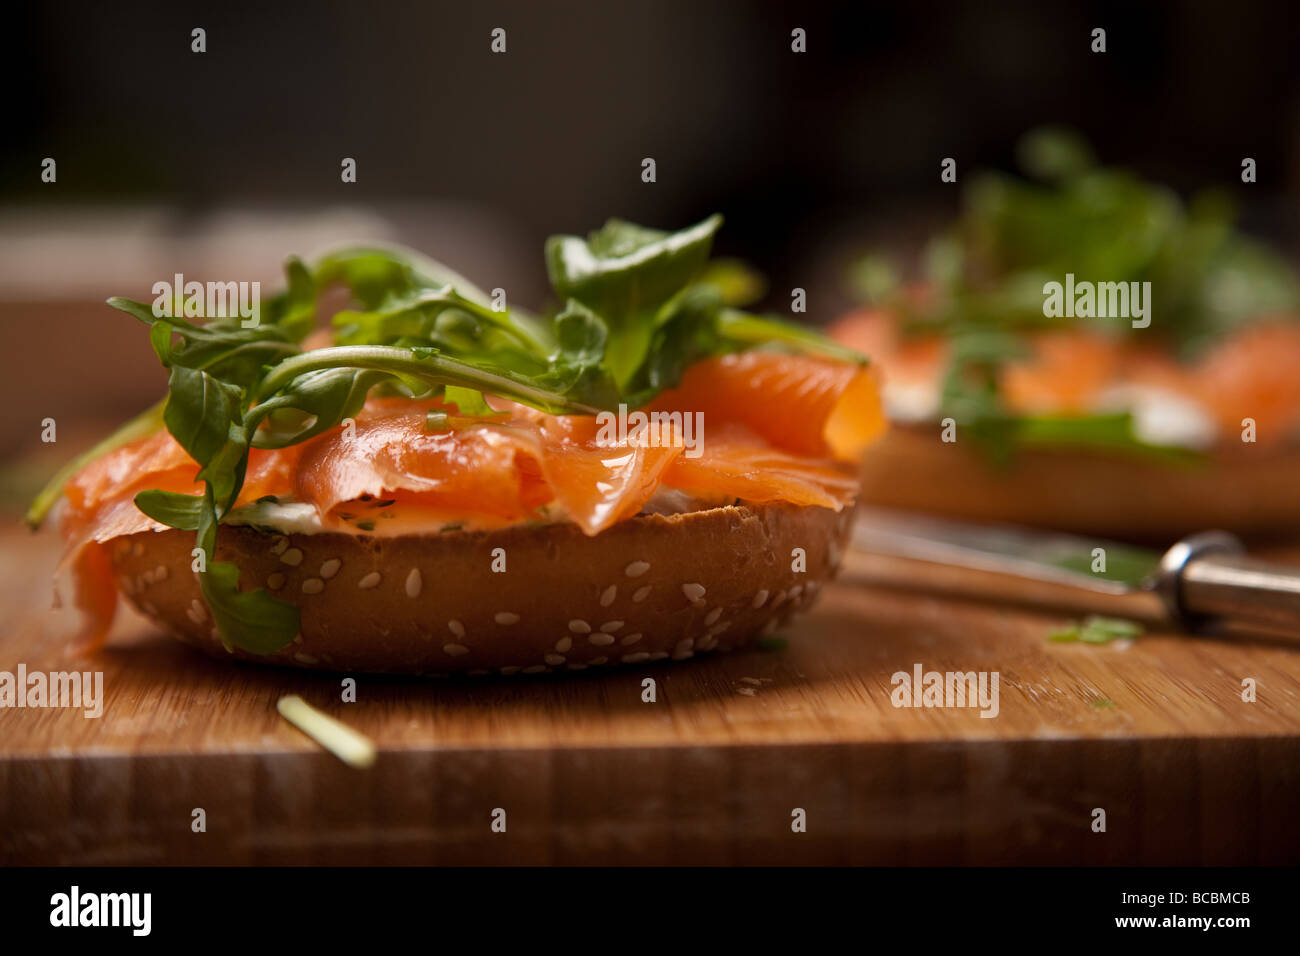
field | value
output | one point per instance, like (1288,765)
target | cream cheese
(1161,416)
(299,517)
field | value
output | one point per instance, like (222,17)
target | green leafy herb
(1097,630)
(637,308)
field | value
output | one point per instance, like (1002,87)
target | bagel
(1249,489)
(653,587)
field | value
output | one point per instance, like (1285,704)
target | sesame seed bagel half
(653,587)
(1243,488)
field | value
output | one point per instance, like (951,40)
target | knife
(1203,581)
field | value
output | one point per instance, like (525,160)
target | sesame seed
(275,581)
(578,626)
(564,645)
(555,660)
(535,669)
(601,640)
(636,658)
(454,650)
(706,643)
(796,591)
(663,655)
(330,568)
(313,586)
(456,628)
(512,669)
(747,691)
(769,627)
(413,583)
(760,598)
(506,617)
(137,549)
(279,544)
(694,592)
(195,612)
(371,580)
(718,628)
(641,594)
(607,597)
(127,585)
(597,661)
(636,569)
(631,639)
(610,627)
(712,616)
(292,557)
(302,658)
(685,644)
(160,573)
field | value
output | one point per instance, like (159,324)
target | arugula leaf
(743,330)
(420,365)
(172,508)
(312,404)
(467,401)
(736,283)
(625,273)
(223,348)
(200,410)
(251,620)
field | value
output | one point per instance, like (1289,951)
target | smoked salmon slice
(736,462)
(801,404)
(1065,371)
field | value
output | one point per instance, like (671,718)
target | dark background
(790,147)
(478,156)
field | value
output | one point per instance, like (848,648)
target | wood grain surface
(1155,733)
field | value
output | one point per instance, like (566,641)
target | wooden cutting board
(713,771)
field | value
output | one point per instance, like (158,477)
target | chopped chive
(342,741)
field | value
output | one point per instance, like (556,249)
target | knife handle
(1207,578)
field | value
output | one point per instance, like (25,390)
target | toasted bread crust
(1246,489)
(650,588)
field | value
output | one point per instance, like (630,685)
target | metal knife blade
(1201,580)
